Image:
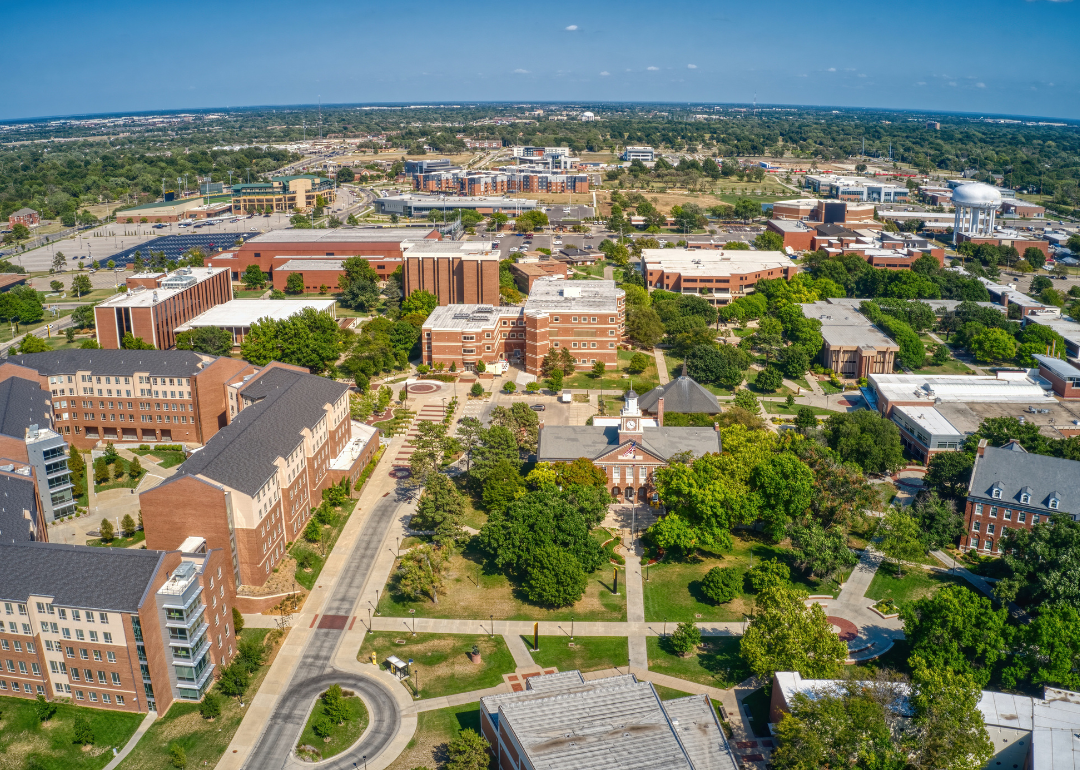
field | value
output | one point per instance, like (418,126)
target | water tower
(976,207)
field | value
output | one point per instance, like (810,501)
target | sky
(1017,57)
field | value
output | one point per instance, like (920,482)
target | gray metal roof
(302,264)
(22,403)
(77,575)
(1057,366)
(696,726)
(844,327)
(242,454)
(569,442)
(168,363)
(17,496)
(343,235)
(1013,469)
(569,296)
(682,395)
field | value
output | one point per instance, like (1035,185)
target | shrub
(177,756)
(468,750)
(44,709)
(477,390)
(532,387)
(509,386)
(234,680)
(210,708)
(84,733)
(322,727)
(685,638)
(237,620)
(722,584)
(638,363)
(769,573)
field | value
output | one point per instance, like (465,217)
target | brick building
(156,303)
(24,216)
(176,210)
(585,317)
(457,272)
(527,273)
(1063,376)
(251,489)
(282,193)
(718,276)
(853,347)
(114,628)
(1014,239)
(131,395)
(1012,489)
(237,316)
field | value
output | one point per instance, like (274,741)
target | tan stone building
(853,346)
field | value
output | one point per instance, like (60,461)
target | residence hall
(893,251)
(144,396)
(1013,489)
(718,276)
(628,449)
(24,216)
(562,722)
(239,315)
(585,317)
(250,491)
(528,273)
(380,246)
(506,179)
(456,272)
(282,193)
(156,303)
(853,347)
(1063,376)
(114,628)
(411,205)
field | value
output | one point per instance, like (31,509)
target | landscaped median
(442,663)
(336,723)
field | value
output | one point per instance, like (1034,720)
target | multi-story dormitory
(250,491)
(502,180)
(130,630)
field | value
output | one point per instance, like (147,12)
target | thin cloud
(831,69)
(572,28)
(605,73)
(521,72)
(980,85)
(653,69)
(691,66)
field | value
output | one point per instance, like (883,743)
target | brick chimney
(660,412)
(982,447)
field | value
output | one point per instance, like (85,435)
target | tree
(509,387)
(643,326)
(805,418)
(1045,560)
(44,709)
(949,728)
(177,756)
(468,750)
(80,284)
(744,399)
(477,390)
(491,446)
(234,680)
(308,338)
(956,629)
(433,444)
(746,209)
(769,379)
(210,708)
(937,519)
(784,486)
(130,342)
(685,639)
(335,705)
(135,470)
(822,551)
(867,439)
(638,363)
(1047,650)
(1034,257)
(786,635)
(56,285)
(83,316)
(421,572)
(900,537)
(441,509)
(722,584)
(554,578)
(769,573)
(32,344)
(948,473)
(59,262)
(993,345)
(502,486)
(237,620)
(294,284)
(212,340)
(253,277)
(101,471)
(322,727)
(107,531)
(420,302)
(769,241)
(598,369)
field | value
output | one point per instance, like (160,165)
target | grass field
(441,660)
(433,730)
(620,379)
(589,653)
(497,595)
(321,551)
(779,407)
(915,583)
(952,366)
(666,693)
(716,662)
(204,742)
(673,589)
(119,473)
(52,743)
(164,459)
(120,541)
(341,736)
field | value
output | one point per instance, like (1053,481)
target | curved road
(314,673)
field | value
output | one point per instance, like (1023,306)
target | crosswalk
(429,413)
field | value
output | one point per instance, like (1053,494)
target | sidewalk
(635,606)
(661,366)
(405,625)
(139,733)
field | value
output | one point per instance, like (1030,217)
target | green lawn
(120,541)
(952,366)
(618,380)
(673,588)
(120,477)
(5,328)
(341,736)
(589,653)
(666,693)
(442,663)
(915,583)
(52,743)
(319,552)
(829,388)
(433,730)
(716,662)
(202,741)
(758,704)
(779,407)
(164,459)
(249,293)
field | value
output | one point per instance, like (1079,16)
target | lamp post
(492,619)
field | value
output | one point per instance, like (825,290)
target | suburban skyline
(958,57)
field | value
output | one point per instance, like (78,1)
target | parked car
(538,407)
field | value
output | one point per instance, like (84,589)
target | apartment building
(131,395)
(853,347)
(412,205)
(251,489)
(457,272)
(856,189)
(505,179)
(382,247)
(718,276)
(282,193)
(585,317)
(644,154)
(113,628)
(24,216)
(156,303)
(1012,489)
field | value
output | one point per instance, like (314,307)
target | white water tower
(976,208)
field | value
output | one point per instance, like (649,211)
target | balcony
(186,620)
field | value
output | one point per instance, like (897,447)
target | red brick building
(156,303)
(585,317)
(718,276)
(457,272)
(527,273)
(1063,376)
(24,216)
(1020,244)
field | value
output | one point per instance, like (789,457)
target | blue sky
(993,56)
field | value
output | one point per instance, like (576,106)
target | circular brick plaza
(845,629)
(423,387)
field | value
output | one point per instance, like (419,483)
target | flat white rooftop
(432,248)
(929,419)
(242,313)
(1024,387)
(141,297)
(343,235)
(713,261)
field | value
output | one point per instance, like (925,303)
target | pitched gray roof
(170,363)
(22,404)
(16,497)
(241,455)
(1014,470)
(77,575)
(569,442)
(682,395)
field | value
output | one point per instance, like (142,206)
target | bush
(210,708)
(468,750)
(685,638)
(322,727)
(769,573)
(237,620)
(509,386)
(44,709)
(638,363)
(722,584)
(177,756)
(532,387)
(477,390)
(84,733)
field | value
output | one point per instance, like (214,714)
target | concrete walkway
(635,605)
(661,366)
(522,658)
(547,627)
(814,384)
(139,733)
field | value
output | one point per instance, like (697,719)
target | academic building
(282,193)
(457,272)
(717,276)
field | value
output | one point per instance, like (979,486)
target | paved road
(314,673)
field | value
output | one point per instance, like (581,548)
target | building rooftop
(109,579)
(1056,366)
(183,203)
(168,363)
(1013,472)
(928,418)
(18,502)
(713,261)
(462,201)
(1023,387)
(306,263)
(242,454)
(554,295)
(344,235)
(432,248)
(560,443)
(789,226)
(463,317)
(23,403)
(245,312)
(682,395)
(844,327)
(1066,327)
(174,283)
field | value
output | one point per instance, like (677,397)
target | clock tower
(630,419)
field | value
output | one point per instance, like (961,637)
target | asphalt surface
(314,673)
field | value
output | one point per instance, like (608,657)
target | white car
(557,242)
